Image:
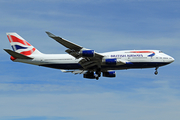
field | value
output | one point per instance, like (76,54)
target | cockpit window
(160,52)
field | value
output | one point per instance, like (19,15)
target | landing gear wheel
(96,76)
(156,72)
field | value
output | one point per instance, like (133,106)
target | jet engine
(89,75)
(112,61)
(87,53)
(109,74)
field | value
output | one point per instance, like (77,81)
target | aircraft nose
(171,59)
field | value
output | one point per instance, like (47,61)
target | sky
(38,93)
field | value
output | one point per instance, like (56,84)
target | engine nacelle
(87,53)
(89,75)
(109,74)
(112,61)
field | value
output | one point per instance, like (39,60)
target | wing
(65,43)
(88,62)
(74,71)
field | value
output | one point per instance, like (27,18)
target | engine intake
(87,53)
(109,74)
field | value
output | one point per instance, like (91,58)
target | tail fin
(20,45)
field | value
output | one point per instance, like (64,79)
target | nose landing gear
(156,72)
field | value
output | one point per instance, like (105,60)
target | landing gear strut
(98,73)
(97,78)
(156,72)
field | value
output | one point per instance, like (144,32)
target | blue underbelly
(109,67)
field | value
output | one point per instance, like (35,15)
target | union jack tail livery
(20,45)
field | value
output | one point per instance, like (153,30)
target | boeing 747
(80,60)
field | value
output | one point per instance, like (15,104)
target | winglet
(50,34)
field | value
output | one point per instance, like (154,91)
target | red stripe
(28,43)
(142,52)
(15,39)
(28,52)
(9,38)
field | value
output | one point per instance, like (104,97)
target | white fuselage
(128,59)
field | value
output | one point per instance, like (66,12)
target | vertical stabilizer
(20,45)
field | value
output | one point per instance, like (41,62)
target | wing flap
(87,63)
(124,62)
(73,53)
(74,71)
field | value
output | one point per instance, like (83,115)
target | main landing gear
(156,72)
(98,73)
(96,76)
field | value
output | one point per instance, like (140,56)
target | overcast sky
(39,93)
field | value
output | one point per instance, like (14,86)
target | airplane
(80,60)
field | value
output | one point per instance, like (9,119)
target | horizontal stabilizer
(17,55)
